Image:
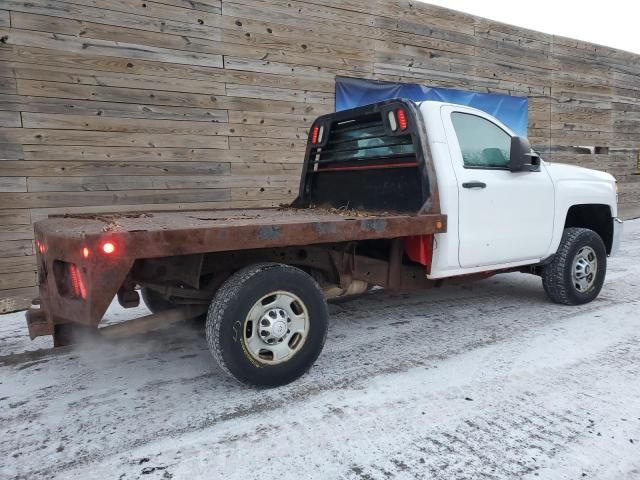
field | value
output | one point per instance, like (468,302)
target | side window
(483,143)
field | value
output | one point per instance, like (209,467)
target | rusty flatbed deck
(162,234)
(80,240)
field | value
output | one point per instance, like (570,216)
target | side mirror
(521,157)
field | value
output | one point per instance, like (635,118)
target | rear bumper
(618,226)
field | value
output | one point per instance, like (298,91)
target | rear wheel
(267,324)
(577,272)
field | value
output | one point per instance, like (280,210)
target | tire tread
(553,274)
(228,292)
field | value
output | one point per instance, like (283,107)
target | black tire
(155,301)
(227,323)
(557,276)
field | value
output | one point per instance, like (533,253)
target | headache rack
(367,158)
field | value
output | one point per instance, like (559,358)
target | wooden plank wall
(111,105)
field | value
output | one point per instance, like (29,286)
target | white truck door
(503,217)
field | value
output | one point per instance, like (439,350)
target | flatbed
(93,254)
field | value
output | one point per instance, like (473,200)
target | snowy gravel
(487,380)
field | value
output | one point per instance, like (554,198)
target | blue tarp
(510,110)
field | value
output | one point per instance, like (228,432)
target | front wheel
(267,324)
(576,274)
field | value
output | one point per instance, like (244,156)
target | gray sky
(614,23)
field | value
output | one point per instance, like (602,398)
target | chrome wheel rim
(585,269)
(276,327)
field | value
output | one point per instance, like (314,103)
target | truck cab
(500,216)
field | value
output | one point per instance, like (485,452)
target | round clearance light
(108,247)
(85,252)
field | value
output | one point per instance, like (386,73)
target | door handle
(474,185)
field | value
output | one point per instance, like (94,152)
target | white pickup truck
(395,194)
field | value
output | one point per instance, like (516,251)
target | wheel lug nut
(264,322)
(264,333)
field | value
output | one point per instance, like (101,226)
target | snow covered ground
(487,380)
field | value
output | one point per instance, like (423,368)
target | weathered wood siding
(168,104)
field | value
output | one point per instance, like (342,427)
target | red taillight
(402,119)
(314,135)
(79,289)
(108,248)
(41,246)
